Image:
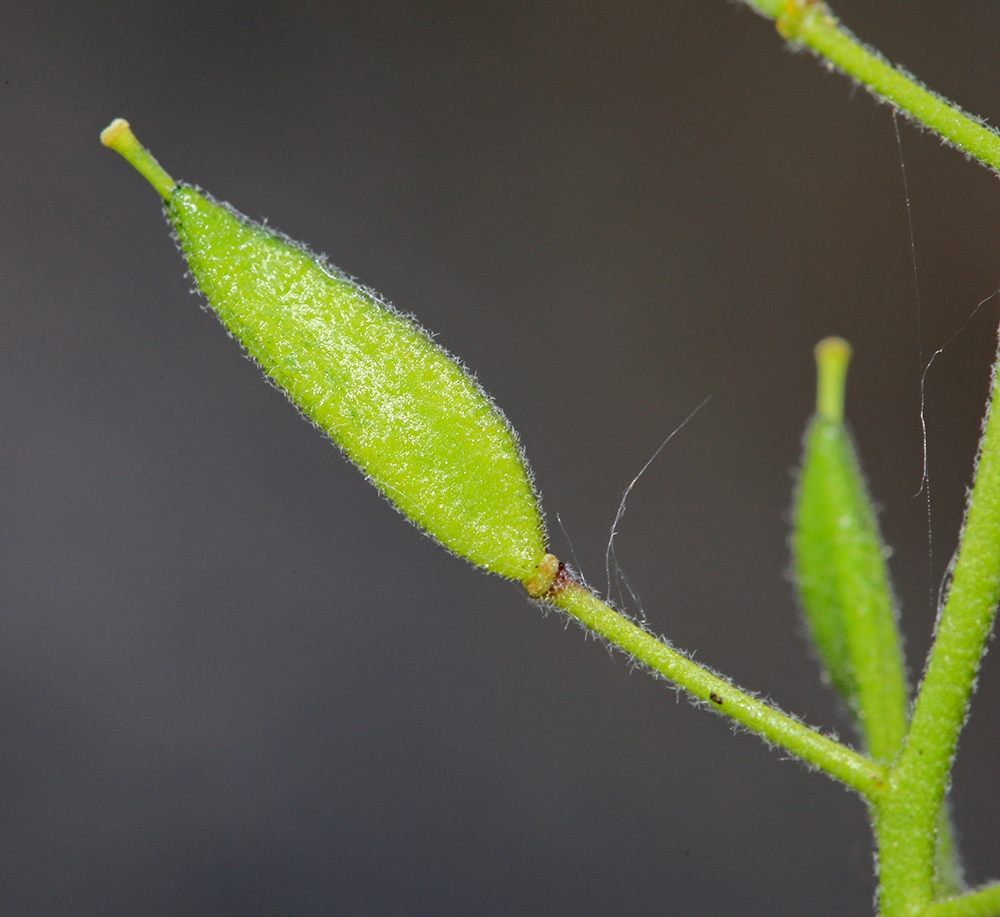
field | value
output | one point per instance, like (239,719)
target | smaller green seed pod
(840,569)
(406,412)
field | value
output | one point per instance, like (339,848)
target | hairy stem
(810,23)
(846,765)
(908,814)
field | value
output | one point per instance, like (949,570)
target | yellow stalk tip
(833,354)
(115,132)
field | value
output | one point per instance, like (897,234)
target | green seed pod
(840,569)
(406,412)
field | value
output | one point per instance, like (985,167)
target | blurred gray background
(233,681)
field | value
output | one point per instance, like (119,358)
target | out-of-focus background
(234,681)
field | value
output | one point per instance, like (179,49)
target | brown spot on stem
(544,576)
(563,579)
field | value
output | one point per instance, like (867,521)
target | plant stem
(846,765)
(909,811)
(811,24)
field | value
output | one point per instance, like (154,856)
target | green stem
(857,771)
(811,24)
(908,814)
(984,902)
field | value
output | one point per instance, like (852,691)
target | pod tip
(115,132)
(833,354)
(119,137)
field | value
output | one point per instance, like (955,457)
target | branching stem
(908,816)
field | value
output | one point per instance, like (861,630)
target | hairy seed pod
(405,411)
(840,568)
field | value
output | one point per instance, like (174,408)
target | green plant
(458,473)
